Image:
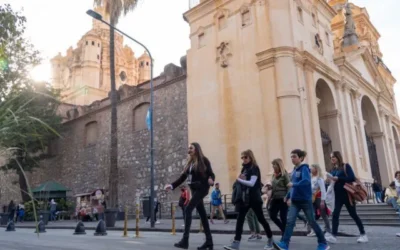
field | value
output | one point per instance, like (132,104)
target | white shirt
(318,184)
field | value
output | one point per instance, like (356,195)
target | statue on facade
(350,37)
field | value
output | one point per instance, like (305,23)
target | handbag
(355,190)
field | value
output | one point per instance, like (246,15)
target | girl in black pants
(199,176)
(280,180)
(342,174)
(250,180)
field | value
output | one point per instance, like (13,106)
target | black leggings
(278,206)
(340,200)
(197,202)
(257,208)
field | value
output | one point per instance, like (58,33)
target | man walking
(300,198)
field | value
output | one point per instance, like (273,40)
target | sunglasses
(244,157)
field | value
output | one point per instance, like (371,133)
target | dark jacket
(377,187)
(343,178)
(240,195)
(199,180)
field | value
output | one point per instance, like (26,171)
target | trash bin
(3,218)
(45,216)
(121,216)
(146,206)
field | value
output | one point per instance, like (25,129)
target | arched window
(91,133)
(139,116)
(147,63)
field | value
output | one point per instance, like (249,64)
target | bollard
(41,228)
(80,229)
(137,220)
(10,226)
(173,219)
(126,223)
(100,229)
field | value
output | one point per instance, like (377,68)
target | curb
(163,230)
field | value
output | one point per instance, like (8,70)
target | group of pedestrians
(302,190)
(16,213)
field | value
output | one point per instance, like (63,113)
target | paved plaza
(62,239)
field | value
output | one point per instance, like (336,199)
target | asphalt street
(24,239)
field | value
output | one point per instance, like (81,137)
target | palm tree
(114,8)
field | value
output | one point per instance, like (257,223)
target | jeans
(393,202)
(278,205)
(258,211)
(53,215)
(197,202)
(253,222)
(308,210)
(378,196)
(324,215)
(341,200)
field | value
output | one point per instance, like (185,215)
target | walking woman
(280,181)
(341,174)
(199,177)
(250,184)
(319,197)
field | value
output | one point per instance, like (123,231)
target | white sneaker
(362,239)
(330,238)
(311,234)
(157,222)
(398,234)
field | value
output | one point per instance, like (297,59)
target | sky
(55,25)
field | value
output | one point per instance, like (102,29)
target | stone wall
(84,168)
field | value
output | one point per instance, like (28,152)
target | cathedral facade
(276,75)
(83,74)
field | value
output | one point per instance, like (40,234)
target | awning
(50,186)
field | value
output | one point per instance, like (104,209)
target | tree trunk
(113,178)
(23,187)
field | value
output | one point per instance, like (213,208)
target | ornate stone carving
(223,54)
(319,45)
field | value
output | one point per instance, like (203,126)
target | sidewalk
(166,224)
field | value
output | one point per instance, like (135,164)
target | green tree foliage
(28,110)
(17,54)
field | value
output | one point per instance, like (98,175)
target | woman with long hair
(280,181)
(250,181)
(199,177)
(319,196)
(341,174)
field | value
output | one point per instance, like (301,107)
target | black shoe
(208,245)
(184,244)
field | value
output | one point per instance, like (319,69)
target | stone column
(342,118)
(384,120)
(379,140)
(347,122)
(313,102)
(364,147)
(289,102)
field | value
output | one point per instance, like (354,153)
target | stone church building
(83,74)
(266,75)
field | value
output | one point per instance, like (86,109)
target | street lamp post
(97,16)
